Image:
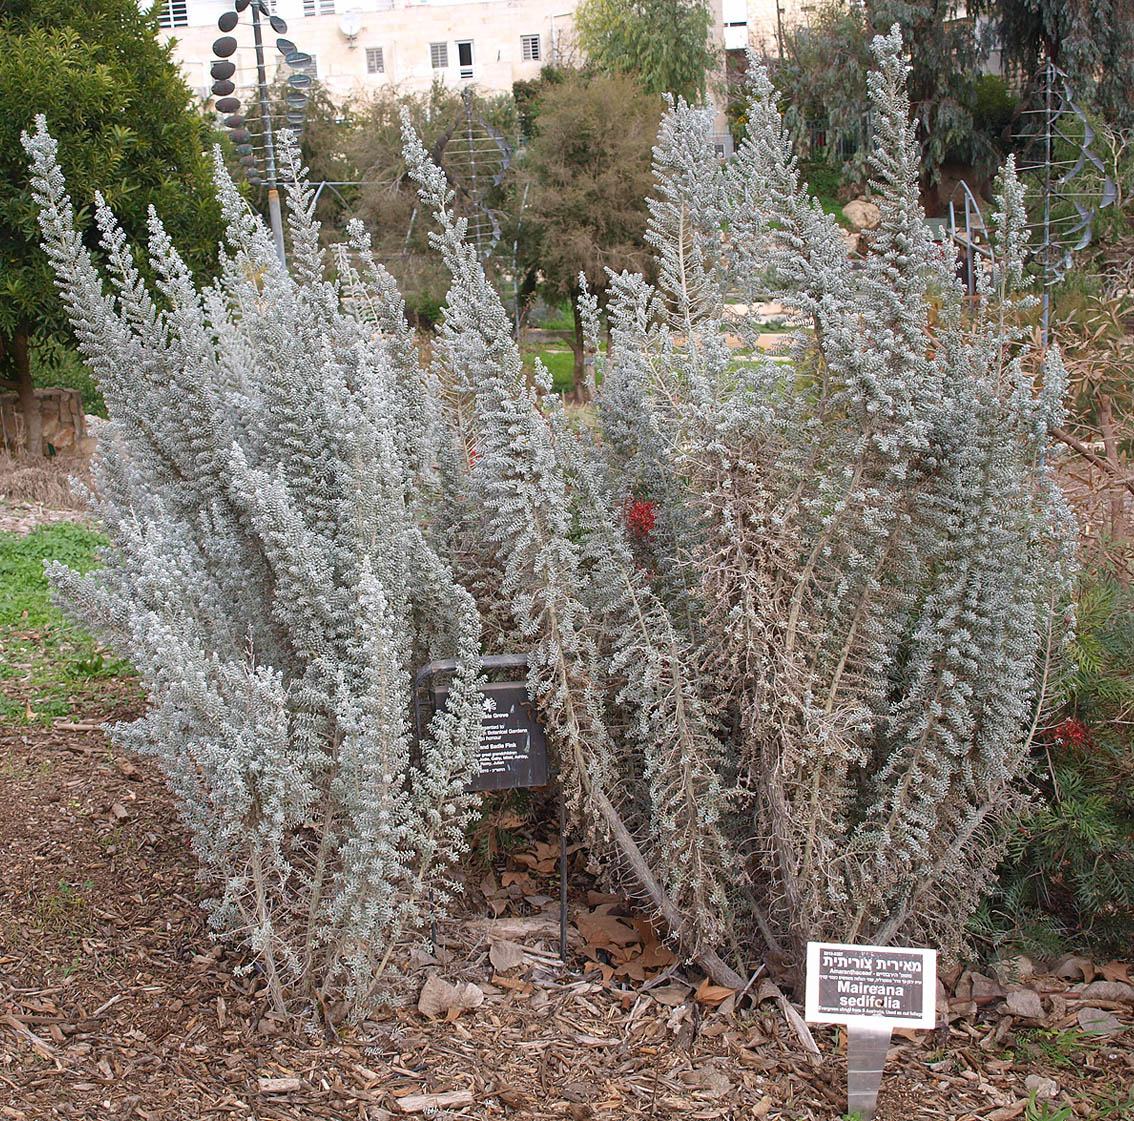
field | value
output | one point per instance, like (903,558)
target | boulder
(862,215)
(852,242)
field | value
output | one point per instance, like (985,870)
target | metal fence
(822,140)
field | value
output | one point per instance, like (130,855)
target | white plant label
(878,985)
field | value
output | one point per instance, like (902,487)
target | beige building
(360,45)
(765,19)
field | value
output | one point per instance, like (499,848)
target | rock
(1106,990)
(852,241)
(1094,1021)
(1025,1003)
(1040,1086)
(61,412)
(862,215)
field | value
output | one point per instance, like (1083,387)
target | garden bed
(115,1001)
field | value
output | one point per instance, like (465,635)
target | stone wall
(64,425)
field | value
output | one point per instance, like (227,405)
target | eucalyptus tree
(1092,41)
(665,44)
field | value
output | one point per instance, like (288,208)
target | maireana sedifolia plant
(803,699)
(261,480)
(787,618)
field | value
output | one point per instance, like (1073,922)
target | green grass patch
(561,317)
(44,657)
(560,363)
(24,598)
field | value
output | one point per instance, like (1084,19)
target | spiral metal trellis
(1067,183)
(475,156)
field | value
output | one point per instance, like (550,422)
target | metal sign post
(872,990)
(513,748)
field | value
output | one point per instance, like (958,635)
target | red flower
(1071,733)
(641,517)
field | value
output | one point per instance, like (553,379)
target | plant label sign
(513,749)
(876,984)
(871,989)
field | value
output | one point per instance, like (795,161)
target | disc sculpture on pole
(257,150)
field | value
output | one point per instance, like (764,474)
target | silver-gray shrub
(805,702)
(800,704)
(271,442)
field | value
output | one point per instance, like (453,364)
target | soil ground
(115,1002)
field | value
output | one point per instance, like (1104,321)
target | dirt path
(115,1003)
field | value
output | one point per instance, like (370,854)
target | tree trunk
(21,364)
(578,392)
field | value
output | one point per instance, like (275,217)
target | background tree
(358,145)
(587,171)
(121,111)
(1092,40)
(944,58)
(823,77)
(664,43)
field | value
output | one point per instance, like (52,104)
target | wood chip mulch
(115,1003)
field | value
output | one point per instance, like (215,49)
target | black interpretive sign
(892,985)
(513,750)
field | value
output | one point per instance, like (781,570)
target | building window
(311,68)
(529,47)
(173,13)
(374,61)
(464,58)
(319,7)
(439,55)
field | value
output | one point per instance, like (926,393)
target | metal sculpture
(475,156)
(1068,183)
(257,151)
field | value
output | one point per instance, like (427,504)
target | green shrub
(1070,868)
(993,105)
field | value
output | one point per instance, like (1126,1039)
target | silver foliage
(260,480)
(799,699)
(809,693)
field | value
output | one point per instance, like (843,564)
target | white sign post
(872,990)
